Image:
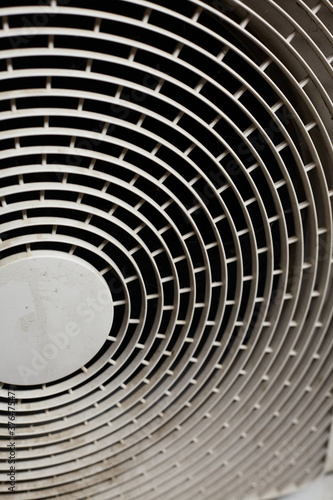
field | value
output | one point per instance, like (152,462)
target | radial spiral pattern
(185,154)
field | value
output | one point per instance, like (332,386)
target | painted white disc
(56,313)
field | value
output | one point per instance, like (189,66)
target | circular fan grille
(184,153)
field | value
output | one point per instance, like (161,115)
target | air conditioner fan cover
(166,193)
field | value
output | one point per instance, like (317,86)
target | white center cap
(56,312)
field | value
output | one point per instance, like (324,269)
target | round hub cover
(56,313)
